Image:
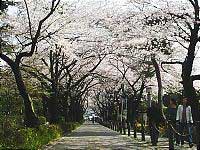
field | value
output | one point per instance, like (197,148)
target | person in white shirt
(184,120)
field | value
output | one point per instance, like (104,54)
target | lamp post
(149,101)
(114,118)
(118,115)
(125,109)
(121,113)
(142,124)
(149,91)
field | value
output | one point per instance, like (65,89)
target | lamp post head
(149,90)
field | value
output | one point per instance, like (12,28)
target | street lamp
(123,108)
(124,100)
(149,91)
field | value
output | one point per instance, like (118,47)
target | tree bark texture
(30,120)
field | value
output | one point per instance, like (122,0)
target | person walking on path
(93,119)
(185,120)
(171,116)
(154,117)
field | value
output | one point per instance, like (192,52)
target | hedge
(13,137)
(29,138)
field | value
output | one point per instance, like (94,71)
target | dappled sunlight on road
(96,137)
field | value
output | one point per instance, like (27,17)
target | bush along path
(16,137)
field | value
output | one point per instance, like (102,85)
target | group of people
(179,117)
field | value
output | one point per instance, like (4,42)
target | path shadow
(93,133)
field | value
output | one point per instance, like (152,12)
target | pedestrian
(154,116)
(93,119)
(171,117)
(185,121)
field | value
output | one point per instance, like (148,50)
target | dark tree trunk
(75,111)
(78,112)
(30,120)
(189,90)
(134,106)
(71,111)
(159,81)
(53,105)
(129,115)
(66,107)
(45,105)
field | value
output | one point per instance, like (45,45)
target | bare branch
(29,20)
(181,44)
(90,71)
(44,61)
(9,61)
(195,77)
(169,63)
(66,66)
(35,38)
(192,2)
(36,72)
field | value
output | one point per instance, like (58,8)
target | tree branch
(195,77)
(36,72)
(29,20)
(5,58)
(35,38)
(170,63)
(89,72)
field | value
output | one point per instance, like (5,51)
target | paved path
(96,137)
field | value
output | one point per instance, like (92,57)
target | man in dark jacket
(154,117)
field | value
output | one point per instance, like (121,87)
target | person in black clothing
(93,119)
(154,117)
(171,116)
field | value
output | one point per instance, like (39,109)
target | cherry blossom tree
(27,50)
(178,22)
(182,23)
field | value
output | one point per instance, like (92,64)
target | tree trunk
(44,105)
(159,81)
(71,110)
(189,90)
(53,105)
(30,118)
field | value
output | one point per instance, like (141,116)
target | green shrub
(15,136)
(31,138)
(72,125)
(42,119)
(69,126)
